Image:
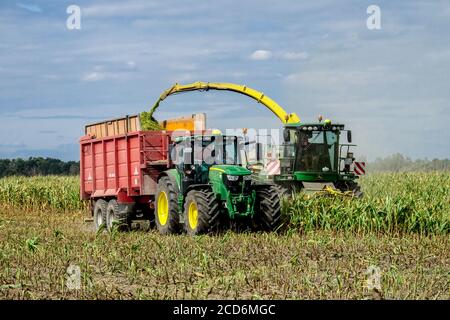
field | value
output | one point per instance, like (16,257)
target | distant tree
(399,163)
(37,166)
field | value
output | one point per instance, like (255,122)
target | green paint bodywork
(233,201)
(307,176)
(239,204)
(231,169)
(173,173)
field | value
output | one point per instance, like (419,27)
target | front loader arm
(252,93)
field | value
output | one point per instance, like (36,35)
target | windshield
(309,151)
(210,150)
(317,151)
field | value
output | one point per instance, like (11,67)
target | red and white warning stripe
(360,168)
(273,167)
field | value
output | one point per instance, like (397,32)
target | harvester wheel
(288,191)
(351,186)
(268,208)
(166,209)
(201,212)
(114,216)
(99,213)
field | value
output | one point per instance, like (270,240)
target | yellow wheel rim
(193,215)
(163,208)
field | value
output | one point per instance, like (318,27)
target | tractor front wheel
(201,212)
(268,208)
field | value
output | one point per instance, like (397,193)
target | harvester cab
(208,184)
(312,153)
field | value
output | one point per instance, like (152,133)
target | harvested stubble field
(323,251)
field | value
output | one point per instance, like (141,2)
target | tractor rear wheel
(166,209)
(268,208)
(115,216)
(201,212)
(99,213)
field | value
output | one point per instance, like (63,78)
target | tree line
(37,167)
(48,166)
(399,163)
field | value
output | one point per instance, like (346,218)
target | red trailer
(119,169)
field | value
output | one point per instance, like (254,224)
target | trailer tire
(100,213)
(115,216)
(268,208)
(201,212)
(166,208)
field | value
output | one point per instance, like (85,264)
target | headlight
(248,177)
(232,178)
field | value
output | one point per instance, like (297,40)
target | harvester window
(317,151)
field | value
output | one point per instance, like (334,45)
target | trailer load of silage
(148,122)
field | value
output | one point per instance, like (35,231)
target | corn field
(323,251)
(400,203)
(393,203)
(49,192)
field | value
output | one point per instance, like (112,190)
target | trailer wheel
(201,212)
(268,208)
(99,213)
(114,216)
(166,209)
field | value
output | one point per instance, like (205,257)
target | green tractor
(209,187)
(311,154)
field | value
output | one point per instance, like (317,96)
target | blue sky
(390,86)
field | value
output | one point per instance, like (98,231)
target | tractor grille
(239,186)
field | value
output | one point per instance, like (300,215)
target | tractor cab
(196,156)
(214,161)
(311,152)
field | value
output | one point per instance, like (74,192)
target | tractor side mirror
(349,136)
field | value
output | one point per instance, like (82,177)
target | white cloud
(260,55)
(29,7)
(292,55)
(117,9)
(111,70)
(94,76)
(322,60)
(183,66)
(131,65)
